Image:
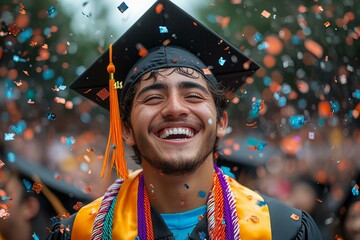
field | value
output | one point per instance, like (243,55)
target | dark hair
(218,92)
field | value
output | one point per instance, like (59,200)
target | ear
(31,207)
(222,125)
(127,134)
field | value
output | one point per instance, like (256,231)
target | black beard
(177,169)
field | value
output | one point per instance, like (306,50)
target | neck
(173,194)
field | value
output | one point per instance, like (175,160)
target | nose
(175,107)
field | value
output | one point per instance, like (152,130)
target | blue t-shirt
(182,224)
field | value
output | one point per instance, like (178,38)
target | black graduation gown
(281,228)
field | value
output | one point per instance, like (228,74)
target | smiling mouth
(176,133)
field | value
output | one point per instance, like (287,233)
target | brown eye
(153,99)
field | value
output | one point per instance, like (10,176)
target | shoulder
(290,223)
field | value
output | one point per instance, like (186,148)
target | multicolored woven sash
(221,211)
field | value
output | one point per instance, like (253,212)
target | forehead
(170,75)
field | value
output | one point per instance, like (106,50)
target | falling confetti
(222,61)
(265,14)
(122,7)
(355,190)
(37,187)
(52,12)
(163,29)
(297,121)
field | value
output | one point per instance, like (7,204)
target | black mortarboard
(61,195)
(164,23)
(164,36)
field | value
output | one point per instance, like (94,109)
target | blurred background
(294,126)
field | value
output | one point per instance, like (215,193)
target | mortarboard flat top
(164,23)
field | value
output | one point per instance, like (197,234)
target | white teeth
(175,131)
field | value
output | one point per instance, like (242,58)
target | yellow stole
(254,220)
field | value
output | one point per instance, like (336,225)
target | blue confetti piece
(11,157)
(297,121)
(54,219)
(25,35)
(18,128)
(122,7)
(84,167)
(4,198)
(267,81)
(261,146)
(258,37)
(52,12)
(62,87)
(35,237)
(59,81)
(295,40)
(211,18)
(186,186)
(27,185)
(335,106)
(163,29)
(356,94)
(202,194)
(277,96)
(9,136)
(282,101)
(48,74)
(263,46)
(286,89)
(255,109)
(202,235)
(51,116)
(16,58)
(261,203)
(243,93)
(70,141)
(355,190)
(222,61)
(227,171)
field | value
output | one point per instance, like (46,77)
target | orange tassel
(115,147)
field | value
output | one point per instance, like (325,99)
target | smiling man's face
(174,123)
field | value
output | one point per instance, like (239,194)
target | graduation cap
(165,36)
(61,195)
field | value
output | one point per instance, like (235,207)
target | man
(349,213)
(31,200)
(173,103)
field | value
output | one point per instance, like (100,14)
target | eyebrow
(187,85)
(182,85)
(155,86)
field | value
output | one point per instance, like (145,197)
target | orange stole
(254,220)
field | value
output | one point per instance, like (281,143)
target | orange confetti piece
(327,24)
(143,52)
(26,73)
(324,109)
(295,217)
(265,14)
(223,21)
(159,8)
(195,24)
(254,218)
(206,71)
(251,124)
(37,187)
(77,206)
(227,151)
(314,48)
